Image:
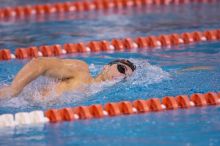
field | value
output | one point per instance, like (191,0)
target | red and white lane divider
(80,6)
(111,109)
(148,43)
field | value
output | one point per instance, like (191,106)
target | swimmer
(71,75)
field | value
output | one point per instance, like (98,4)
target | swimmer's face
(116,71)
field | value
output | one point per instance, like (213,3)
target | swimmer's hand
(195,68)
(7,92)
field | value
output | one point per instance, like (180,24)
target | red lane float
(199,99)
(112,109)
(46,51)
(165,40)
(183,101)
(212,98)
(95,46)
(218,34)
(105,45)
(137,106)
(53,115)
(32,52)
(67,114)
(21,53)
(126,44)
(152,41)
(174,39)
(154,104)
(83,112)
(5,54)
(141,106)
(57,50)
(187,37)
(125,107)
(218,95)
(210,35)
(81,47)
(197,36)
(170,102)
(96,110)
(141,42)
(118,44)
(70,48)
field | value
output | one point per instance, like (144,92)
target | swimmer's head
(117,69)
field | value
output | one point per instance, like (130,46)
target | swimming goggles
(121,68)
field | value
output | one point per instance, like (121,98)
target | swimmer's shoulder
(79,64)
(73,65)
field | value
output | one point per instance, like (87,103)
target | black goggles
(121,68)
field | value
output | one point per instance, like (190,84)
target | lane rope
(27,11)
(111,109)
(148,43)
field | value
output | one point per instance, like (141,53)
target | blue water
(12,3)
(159,73)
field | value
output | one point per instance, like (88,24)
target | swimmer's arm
(51,67)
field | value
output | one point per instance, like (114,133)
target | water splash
(146,73)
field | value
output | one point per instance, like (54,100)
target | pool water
(185,69)
(11,3)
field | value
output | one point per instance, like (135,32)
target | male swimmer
(71,75)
